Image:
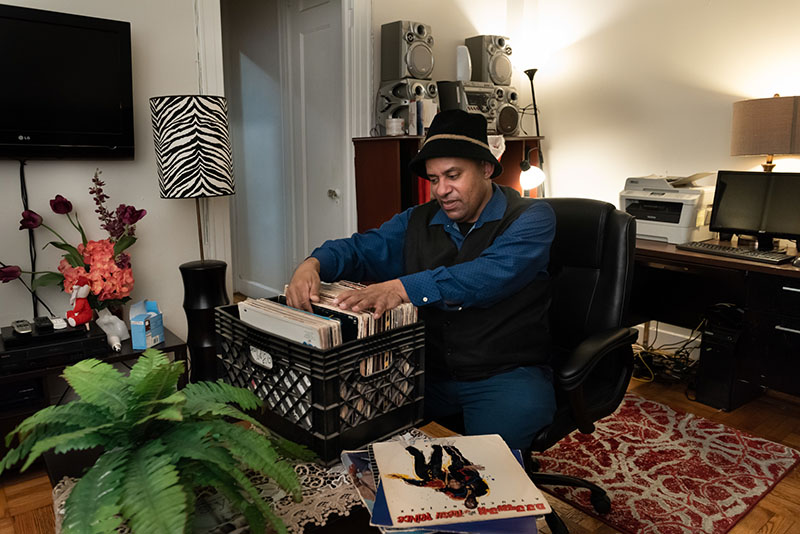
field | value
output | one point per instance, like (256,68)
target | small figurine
(81,311)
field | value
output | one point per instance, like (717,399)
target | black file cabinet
(776,301)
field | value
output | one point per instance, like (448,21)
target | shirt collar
(493,211)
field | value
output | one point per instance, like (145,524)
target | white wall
(626,87)
(164,62)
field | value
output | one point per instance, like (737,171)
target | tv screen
(67,86)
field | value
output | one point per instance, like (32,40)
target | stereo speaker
(395,96)
(406,51)
(507,117)
(498,104)
(490,59)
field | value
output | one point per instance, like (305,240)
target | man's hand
(304,287)
(377,297)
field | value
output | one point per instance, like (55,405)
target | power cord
(668,362)
(31,240)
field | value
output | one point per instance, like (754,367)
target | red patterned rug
(668,472)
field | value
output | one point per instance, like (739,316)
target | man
(474,260)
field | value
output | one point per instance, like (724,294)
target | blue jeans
(514,404)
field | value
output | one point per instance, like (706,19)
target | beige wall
(164,62)
(626,87)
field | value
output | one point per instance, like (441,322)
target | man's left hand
(376,297)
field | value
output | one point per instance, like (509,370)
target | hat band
(456,137)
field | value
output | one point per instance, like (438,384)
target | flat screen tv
(66,89)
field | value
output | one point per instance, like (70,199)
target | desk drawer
(774,294)
(781,365)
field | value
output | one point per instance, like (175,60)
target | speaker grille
(507,120)
(420,60)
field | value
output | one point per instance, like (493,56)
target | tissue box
(147,324)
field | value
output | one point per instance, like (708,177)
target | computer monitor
(764,204)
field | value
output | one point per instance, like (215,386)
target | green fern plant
(160,444)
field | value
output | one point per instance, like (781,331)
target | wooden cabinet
(385,185)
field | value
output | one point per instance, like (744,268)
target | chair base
(555,523)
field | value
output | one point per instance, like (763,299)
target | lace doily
(326,491)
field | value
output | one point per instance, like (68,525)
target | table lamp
(194,159)
(766,127)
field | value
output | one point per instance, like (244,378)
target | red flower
(30,220)
(9,273)
(61,205)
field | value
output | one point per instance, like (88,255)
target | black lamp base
(203,290)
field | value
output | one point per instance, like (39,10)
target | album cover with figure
(454,480)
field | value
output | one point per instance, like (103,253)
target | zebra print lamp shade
(193,148)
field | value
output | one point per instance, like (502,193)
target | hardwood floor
(26,503)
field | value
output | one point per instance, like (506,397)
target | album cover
(453,480)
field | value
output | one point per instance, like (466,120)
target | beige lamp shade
(766,126)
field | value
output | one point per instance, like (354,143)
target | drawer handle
(794,289)
(784,329)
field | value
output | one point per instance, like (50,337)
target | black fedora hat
(455,134)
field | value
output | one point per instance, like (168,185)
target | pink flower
(30,220)
(60,205)
(107,280)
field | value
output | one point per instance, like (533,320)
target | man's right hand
(304,287)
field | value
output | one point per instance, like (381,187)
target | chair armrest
(583,358)
(579,364)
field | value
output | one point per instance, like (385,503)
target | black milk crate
(328,400)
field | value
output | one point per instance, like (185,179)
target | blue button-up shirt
(512,261)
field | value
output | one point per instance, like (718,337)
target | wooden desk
(679,287)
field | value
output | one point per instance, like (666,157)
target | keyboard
(763,256)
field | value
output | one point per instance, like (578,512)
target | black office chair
(591,267)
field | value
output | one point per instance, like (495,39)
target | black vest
(477,342)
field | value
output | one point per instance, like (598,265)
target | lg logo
(24,137)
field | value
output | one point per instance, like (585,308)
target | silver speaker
(507,118)
(395,96)
(406,51)
(490,59)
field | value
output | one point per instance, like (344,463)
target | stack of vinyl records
(460,484)
(329,325)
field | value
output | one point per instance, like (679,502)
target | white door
(320,137)
(261,218)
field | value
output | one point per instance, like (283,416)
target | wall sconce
(766,127)
(531,177)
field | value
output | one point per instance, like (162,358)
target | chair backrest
(591,268)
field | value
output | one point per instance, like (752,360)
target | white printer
(669,209)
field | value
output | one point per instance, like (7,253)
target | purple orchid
(9,273)
(30,220)
(61,205)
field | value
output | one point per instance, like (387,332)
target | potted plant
(159,443)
